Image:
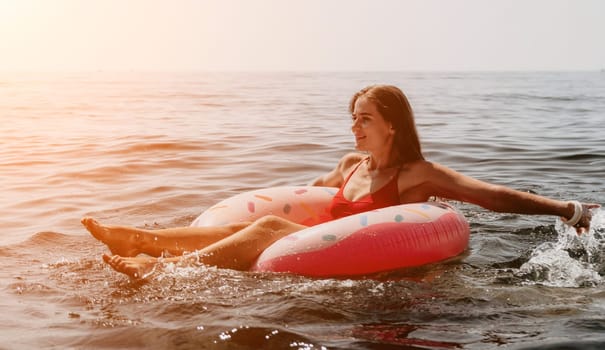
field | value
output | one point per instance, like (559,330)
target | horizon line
(45,71)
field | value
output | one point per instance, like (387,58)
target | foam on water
(573,260)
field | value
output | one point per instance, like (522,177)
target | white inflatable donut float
(396,237)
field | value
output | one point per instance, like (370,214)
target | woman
(391,171)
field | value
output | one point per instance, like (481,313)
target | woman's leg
(130,241)
(237,251)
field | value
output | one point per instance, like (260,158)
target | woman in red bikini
(391,171)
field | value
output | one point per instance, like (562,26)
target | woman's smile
(359,138)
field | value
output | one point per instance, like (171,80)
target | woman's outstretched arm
(453,185)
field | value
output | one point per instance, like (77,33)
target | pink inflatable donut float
(391,238)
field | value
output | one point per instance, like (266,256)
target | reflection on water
(154,150)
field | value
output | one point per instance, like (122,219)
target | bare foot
(120,241)
(136,268)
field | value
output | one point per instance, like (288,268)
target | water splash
(571,261)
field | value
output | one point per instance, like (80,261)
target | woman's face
(372,133)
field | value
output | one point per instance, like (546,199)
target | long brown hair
(395,108)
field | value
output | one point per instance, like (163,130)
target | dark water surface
(154,150)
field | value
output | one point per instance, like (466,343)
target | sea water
(153,150)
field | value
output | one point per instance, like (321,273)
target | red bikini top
(386,196)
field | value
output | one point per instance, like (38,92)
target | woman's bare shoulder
(336,176)
(421,165)
(428,166)
(423,171)
(350,160)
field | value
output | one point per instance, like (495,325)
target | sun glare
(27,31)
(16,17)
(11,11)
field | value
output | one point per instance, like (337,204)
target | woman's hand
(583,225)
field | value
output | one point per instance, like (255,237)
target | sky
(301,35)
